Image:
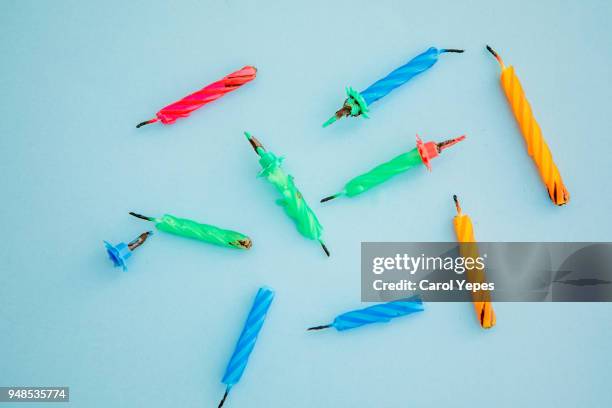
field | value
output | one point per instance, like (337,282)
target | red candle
(184,107)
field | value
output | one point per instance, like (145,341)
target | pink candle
(184,107)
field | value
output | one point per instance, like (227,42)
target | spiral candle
(212,92)
(536,145)
(469,249)
(120,253)
(292,200)
(422,154)
(358,103)
(202,232)
(247,339)
(380,313)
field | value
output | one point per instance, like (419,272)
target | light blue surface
(76,78)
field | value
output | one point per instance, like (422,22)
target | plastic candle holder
(380,313)
(202,232)
(423,153)
(468,248)
(246,341)
(530,129)
(212,92)
(292,200)
(120,253)
(357,103)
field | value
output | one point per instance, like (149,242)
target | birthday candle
(469,249)
(422,154)
(536,145)
(247,340)
(120,253)
(358,103)
(380,313)
(212,92)
(292,200)
(202,232)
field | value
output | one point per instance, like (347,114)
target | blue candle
(358,103)
(247,339)
(380,313)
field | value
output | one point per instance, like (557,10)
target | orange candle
(536,145)
(469,249)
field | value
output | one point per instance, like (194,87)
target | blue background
(76,77)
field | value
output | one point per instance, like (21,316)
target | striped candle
(423,153)
(403,74)
(247,339)
(202,232)
(468,248)
(357,103)
(292,200)
(537,147)
(210,93)
(380,313)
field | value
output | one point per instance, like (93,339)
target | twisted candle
(212,92)
(422,154)
(247,339)
(202,232)
(536,145)
(120,253)
(469,249)
(292,200)
(380,313)
(358,103)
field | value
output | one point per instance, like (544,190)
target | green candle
(292,200)
(422,154)
(202,232)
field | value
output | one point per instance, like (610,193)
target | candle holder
(120,253)
(468,248)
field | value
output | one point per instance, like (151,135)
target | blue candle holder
(120,253)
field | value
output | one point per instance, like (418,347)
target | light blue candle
(247,339)
(357,103)
(380,313)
